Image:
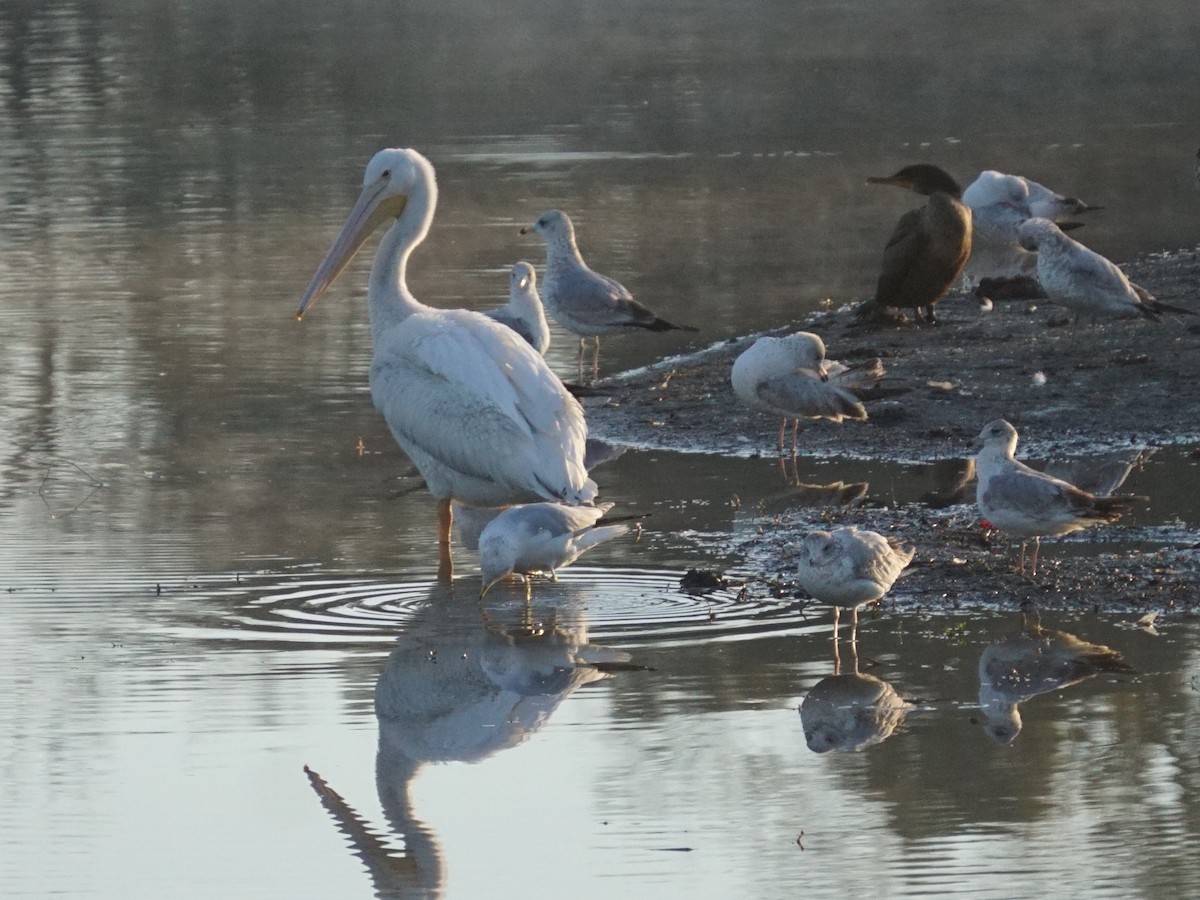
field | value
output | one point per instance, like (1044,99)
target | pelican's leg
(445,521)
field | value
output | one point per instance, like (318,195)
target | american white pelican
(790,377)
(929,246)
(476,409)
(523,313)
(1034,662)
(541,537)
(1015,498)
(849,567)
(584,302)
(1083,280)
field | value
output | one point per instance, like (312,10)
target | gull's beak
(487,585)
(525,229)
(373,208)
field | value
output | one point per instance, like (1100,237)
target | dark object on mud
(929,246)
(702,581)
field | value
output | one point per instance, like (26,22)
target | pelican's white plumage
(523,313)
(476,409)
(1083,280)
(790,377)
(1015,498)
(1036,200)
(541,537)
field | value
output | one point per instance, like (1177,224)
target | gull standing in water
(790,377)
(541,537)
(473,406)
(1083,280)
(584,302)
(1015,498)
(850,567)
(523,313)
(929,246)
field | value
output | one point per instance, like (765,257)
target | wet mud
(1072,389)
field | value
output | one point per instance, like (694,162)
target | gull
(584,302)
(474,407)
(541,537)
(850,567)
(1031,504)
(1035,200)
(523,313)
(1083,280)
(1036,661)
(790,377)
(929,246)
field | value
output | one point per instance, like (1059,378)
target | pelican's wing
(470,393)
(803,393)
(907,243)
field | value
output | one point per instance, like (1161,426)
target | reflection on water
(1036,661)
(205,547)
(851,710)
(457,691)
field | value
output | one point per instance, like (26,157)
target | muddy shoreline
(1071,390)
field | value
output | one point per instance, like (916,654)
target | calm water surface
(203,579)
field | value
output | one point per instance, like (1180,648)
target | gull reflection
(1036,661)
(851,711)
(459,687)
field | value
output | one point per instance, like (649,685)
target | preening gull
(523,313)
(1083,280)
(584,302)
(476,409)
(1017,499)
(1035,200)
(790,377)
(541,537)
(929,246)
(849,567)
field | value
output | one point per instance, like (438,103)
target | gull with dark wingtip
(584,302)
(1031,504)
(929,246)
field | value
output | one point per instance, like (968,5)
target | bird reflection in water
(459,687)
(851,711)
(1035,661)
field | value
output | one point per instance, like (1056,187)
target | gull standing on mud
(1083,280)
(523,313)
(1035,200)
(541,537)
(1015,498)
(473,406)
(849,567)
(929,246)
(790,377)
(584,302)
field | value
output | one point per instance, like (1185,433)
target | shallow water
(209,545)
